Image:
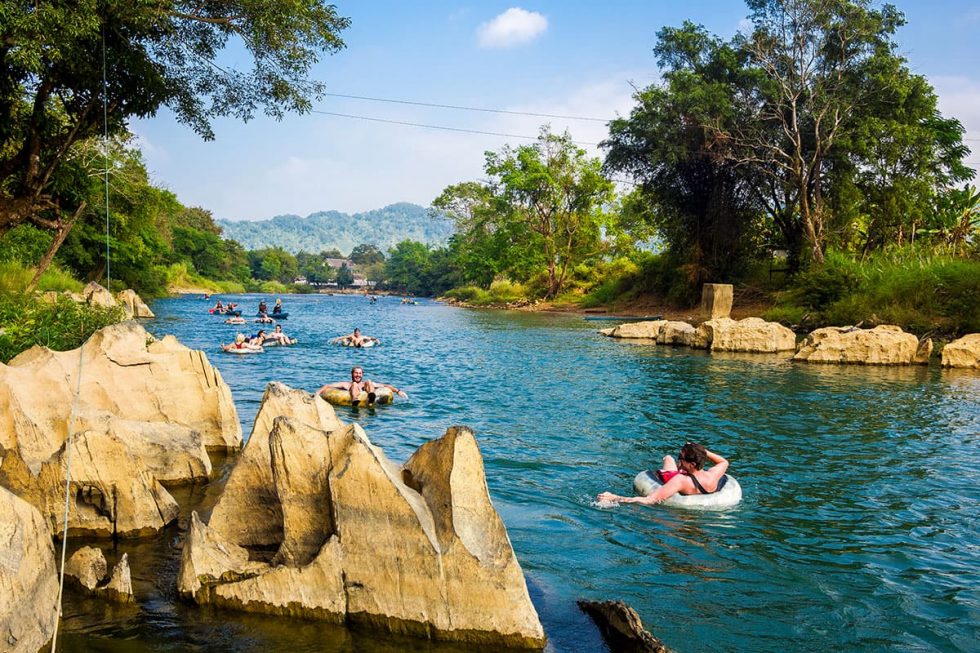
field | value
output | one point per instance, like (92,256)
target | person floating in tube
(357,384)
(687,476)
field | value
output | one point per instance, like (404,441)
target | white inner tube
(729,495)
(244,350)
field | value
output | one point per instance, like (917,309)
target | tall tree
(556,194)
(161,53)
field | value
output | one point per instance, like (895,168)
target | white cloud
(745,26)
(959,97)
(513,27)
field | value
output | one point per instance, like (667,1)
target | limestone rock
(249,511)
(28,580)
(649,329)
(417,549)
(716,300)
(964,352)
(112,491)
(133,304)
(752,334)
(87,566)
(160,383)
(119,588)
(621,627)
(882,345)
(96,295)
(676,333)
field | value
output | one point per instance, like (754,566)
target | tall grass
(500,292)
(920,291)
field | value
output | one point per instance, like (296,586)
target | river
(858,529)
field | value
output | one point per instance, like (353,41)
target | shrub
(61,325)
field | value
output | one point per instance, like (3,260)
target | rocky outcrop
(676,333)
(621,627)
(133,304)
(146,413)
(87,568)
(417,549)
(882,345)
(28,581)
(95,295)
(125,374)
(964,352)
(752,334)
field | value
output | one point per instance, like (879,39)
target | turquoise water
(858,530)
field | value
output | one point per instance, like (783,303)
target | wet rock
(119,587)
(87,567)
(753,335)
(417,549)
(28,580)
(882,345)
(964,352)
(621,627)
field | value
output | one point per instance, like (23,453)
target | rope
(64,534)
(105,141)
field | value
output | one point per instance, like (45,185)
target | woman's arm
(720,464)
(672,487)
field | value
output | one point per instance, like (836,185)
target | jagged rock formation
(752,334)
(350,536)
(146,414)
(621,627)
(882,345)
(87,568)
(964,352)
(28,582)
(133,304)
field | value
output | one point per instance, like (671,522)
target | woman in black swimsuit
(686,476)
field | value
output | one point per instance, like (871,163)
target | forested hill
(326,230)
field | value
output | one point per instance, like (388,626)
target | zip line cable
(442,127)
(105,125)
(463,108)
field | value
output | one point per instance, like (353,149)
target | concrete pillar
(716,300)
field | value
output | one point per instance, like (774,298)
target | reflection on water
(857,530)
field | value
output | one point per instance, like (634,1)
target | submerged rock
(882,345)
(964,352)
(417,549)
(751,335)
(621,627)
(28,580)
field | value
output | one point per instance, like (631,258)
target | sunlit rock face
(647,330)
(133,304)
(882,345)
(752,335)
(28,581)
(350,536)
(146,413)
(964,352)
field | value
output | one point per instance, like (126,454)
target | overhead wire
(465,108)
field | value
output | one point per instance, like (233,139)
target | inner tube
(243,350)
(339,397)
(728,494)
(274,316)
(272,342)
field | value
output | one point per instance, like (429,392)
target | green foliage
(918,291)
(501,292)
(345,277)
(158,54)
(366,254)
(62,325)
(25,243)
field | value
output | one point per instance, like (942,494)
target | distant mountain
(383,228)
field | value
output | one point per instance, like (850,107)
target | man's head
(356,374)
(694,454)
(261,333)
(357,331)
(278,328)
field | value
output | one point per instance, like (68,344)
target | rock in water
(621,627)
(417,549)
(28,581)
(882,345)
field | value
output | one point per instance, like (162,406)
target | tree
(345,277)
(407,267)
(366,254)
(156,54)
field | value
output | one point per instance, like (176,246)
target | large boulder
(133,304)
(28,580)
(87,567)
(96,295)
(752,334)
(676,333)
(882,345)
(417,549)
(964,352)
(124,373)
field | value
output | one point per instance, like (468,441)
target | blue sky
(568,57)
